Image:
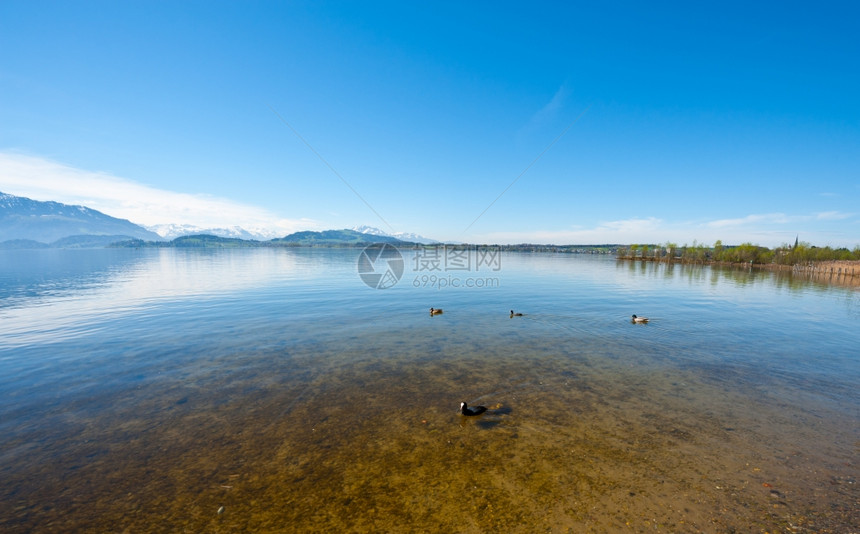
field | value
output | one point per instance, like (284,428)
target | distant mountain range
(172,231)
(27,223)
(46,223)
(336,237)
(326,238)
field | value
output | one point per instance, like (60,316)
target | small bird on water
(639,319)
(477,410)
(435,311)
(515,314)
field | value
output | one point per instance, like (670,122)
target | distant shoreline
(839,272)
(315,240)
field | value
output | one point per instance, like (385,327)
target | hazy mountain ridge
(345,236)
(22,218)
(326,238)
(403,236)
(172,231)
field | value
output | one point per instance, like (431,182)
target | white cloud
(768,218)
(833,216)
(45,180)
(635,230)
(768,224)
(631,225)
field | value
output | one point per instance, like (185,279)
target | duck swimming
(435,311)
(477,410)
(515,314)
(639,319)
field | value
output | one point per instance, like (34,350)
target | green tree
(670,249)
(718,250)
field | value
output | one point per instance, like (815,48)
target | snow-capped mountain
(47,222)
(172,231)
(403,236)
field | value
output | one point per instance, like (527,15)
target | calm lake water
(273,390)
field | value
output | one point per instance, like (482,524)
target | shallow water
(272,390)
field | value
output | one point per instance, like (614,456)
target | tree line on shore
(799,253)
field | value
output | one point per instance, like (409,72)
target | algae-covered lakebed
(273,391)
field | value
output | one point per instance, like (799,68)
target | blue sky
(621,122)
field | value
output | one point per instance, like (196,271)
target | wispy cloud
(767,218)
(778,219)
(833,216)
(550,110)
(42,179)
(634,230)
(552,107)
(631,225)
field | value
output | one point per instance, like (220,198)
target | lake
(278,390)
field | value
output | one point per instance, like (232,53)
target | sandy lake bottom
(328,439)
